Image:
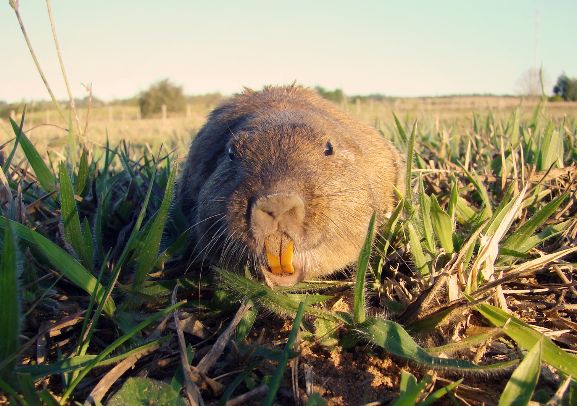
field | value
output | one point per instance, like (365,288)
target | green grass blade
(526,337)
(362,265)
(8,161)
(393,338)
(410,389)
(82,176)
(425,210)
(551,150)
(72,229)
(421,261)
(275,301)
(517,240)
(547,233)
(45,176)
(465,213)
(439,393)
(522,383)
(410,153)
(81,361)
(401,129)
(10,315)
(28,389)
(481,190)
(286,354)
(88,242)
(453,199)
(115,344)
(151,244)
(62,262)
(442,225)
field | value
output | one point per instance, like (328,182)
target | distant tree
(159,93)
(566,88)
(336,95)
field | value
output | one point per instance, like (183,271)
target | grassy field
(469,294)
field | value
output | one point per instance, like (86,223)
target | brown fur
(278,137)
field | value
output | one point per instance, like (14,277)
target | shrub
(159,93)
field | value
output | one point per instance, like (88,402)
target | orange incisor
(282,261)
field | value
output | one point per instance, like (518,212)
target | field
(469,294)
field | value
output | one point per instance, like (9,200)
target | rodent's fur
(287,142)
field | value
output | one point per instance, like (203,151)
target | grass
(99,246)
(475,271)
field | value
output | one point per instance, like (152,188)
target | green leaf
(421,261)
(522,383)
(316,400)
(146,391)
(551,150)
(393,338)
(70,219)
(8,161)
(287,353)
(115,344)
(547,233)
(439,393)
(362,265)
(62,262)
(88,241)
(464,212)
(518,239)
(74,363)
(526,337)
(442,225)
(82,177)
(45,176)
(487,212)
(425,206)
(453,199)
(410,153)
(28,389)
(410,389)
(150,246)
(10,316)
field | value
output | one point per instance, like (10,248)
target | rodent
(283,180)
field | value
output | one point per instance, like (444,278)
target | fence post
(164,112)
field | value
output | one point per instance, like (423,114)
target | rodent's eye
(230,154)
(329,149)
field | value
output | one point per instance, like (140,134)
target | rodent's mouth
(283,267)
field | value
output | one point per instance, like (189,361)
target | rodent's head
(284,181)
(288,194)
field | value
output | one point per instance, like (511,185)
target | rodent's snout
(276,221)
(277,213)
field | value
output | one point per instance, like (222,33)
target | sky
(397,48)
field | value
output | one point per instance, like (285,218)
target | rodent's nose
(278,212)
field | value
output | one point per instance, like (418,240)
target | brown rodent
(283,180)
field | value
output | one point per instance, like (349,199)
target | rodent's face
(286,198)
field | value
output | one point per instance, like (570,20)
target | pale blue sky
(399,48)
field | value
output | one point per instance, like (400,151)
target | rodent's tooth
(282,261)
(286,258)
